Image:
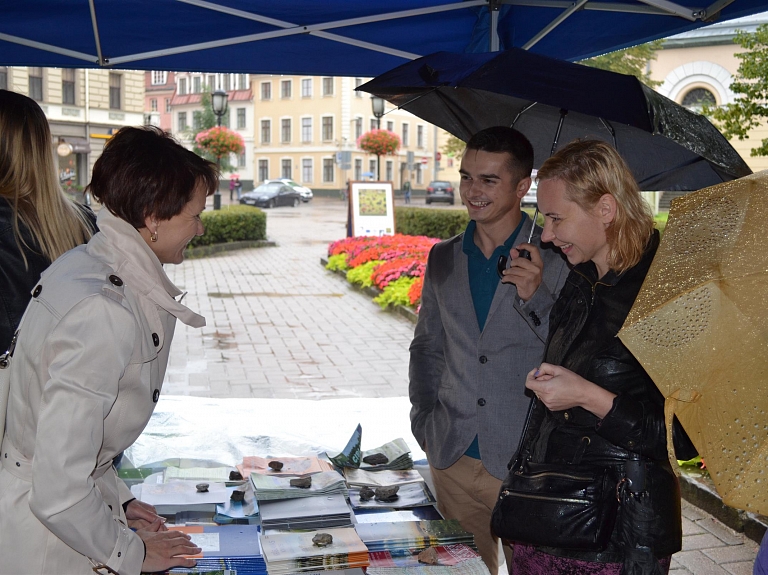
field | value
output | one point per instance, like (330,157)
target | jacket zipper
(506,493)
(593,285)
(557,474)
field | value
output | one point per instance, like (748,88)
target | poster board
(372,208)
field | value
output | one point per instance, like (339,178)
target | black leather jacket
(583,326)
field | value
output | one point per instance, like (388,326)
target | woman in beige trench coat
(88,366)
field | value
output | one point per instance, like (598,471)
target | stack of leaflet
(199,474)
(413,491)
(244,512)
(225,548)
(296,553)
(169,498)
(397,452)
(306,513)
(403,537)
(291,466)
(361,477)
(267,487)
(451,560)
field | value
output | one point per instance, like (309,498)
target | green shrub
(361,275)
(232,224)
(396,293)
(441,224)
(337,262)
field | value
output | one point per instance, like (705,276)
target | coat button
(155,339)
(483,359)
(481,402)
(115,280)
(18,464)
(567,416)
(535,318)
(156,395)
(37,291)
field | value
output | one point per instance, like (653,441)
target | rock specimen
(366,493)
(428,556)
(275,465)
(302,482)
(387,493)
(237,495)
(235,476)
(322,539)
(375,459)
(202,487)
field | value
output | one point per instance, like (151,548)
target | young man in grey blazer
(478,336)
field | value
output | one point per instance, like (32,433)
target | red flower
(220,141)
(379,142)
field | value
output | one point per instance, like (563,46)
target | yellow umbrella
(700,329)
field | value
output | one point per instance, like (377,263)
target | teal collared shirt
(483,281)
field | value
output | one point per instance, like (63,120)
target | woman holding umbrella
(595,403)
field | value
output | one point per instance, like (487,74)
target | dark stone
(387,493)
(238,495)
(375,459)
(302,482)
(428,556)
(202,487)
(322,539)
(235,476)
(275,465)
(366,493)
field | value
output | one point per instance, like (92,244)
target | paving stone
(702,541)
(722,532)
(698,563)
(740,568)
(731,553)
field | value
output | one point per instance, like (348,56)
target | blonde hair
(30,183)
(592,168)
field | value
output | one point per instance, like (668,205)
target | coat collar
(120,245)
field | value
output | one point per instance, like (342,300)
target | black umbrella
(554,102)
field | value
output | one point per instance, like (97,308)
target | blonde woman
(38,222)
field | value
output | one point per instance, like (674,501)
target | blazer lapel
(463,293)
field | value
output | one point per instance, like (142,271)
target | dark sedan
(440,191)
(272,195)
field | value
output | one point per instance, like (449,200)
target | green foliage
(232,224)
(207,121)
(337,262)
(751,86)
(632,61)
(454,147)
(396,292)
(441,224)
(361,275)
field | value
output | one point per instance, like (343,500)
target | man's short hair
(503,140)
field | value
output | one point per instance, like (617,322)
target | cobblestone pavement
(280,326)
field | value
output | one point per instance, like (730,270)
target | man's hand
(524,274)
(142,515)
(165,549)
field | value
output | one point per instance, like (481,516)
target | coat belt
(19,465)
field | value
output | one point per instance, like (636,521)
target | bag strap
(523,447)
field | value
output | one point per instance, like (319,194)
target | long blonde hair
(590,169)
(30,183)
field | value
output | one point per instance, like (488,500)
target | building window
(697,98)
(242,82)
(306,170)
(419,174)
(285,130)
(68,87)
(327,128)
(286,87)
(358,83)
(241,159)
(358,128)
(3,77)
(358,169)
(372,166)
(211,83)
(306,88)
(182,86)
(115,89)
(182,121)
(328,169)
(306,130)
(286,169)
(374,124)
(153,104)
(197,120)
(263,170)
(419,136)
(266,90)
(405,134)
(241,118)
(327,86)
(266,131)
(159,78)
(167,105)
(197,85)
(36,83)
(391,126)
(388,176)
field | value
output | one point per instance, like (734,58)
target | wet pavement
(280,326)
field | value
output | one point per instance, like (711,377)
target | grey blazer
(464,382)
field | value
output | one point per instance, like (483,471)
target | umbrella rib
(48,47)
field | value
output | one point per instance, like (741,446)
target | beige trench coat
(85,378)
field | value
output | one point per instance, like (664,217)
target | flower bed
(393,264)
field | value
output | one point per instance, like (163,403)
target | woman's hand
(142,515)
(525,274)
(165,550)
(559,389)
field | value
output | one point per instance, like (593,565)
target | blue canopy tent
(330,37)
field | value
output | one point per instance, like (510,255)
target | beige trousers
(467,492)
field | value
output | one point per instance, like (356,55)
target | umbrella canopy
(699,327)
(554,102)
(332,37)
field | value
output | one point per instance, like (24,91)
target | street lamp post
(219,101)
(378,111)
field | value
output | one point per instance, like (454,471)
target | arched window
(697,98)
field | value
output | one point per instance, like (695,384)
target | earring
(153,236)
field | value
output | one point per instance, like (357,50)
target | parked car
(306,193)
(531,197)
(270,195)
(440,191)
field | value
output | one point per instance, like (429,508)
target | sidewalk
(280,326)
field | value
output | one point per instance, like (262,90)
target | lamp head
(378,106)
(219,102)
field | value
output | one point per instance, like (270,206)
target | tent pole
(96,38)
(493,36)
(575,7)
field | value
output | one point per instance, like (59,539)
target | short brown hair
(504,140)
(144,172)
(592,168)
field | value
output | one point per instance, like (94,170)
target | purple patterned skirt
(527,560)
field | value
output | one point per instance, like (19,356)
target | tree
(219,142)
(205,121)
(454,147)
(632,61)
(379,142)
(751,85)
